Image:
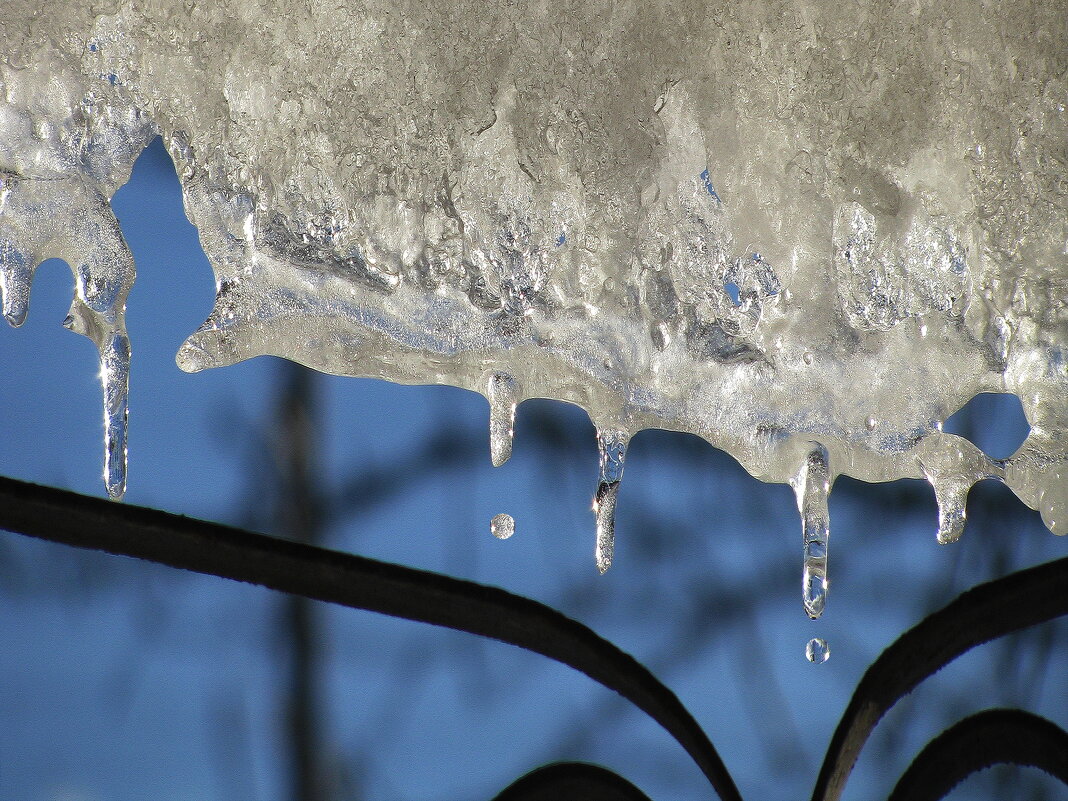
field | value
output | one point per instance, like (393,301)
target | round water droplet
(807,356)
(871,422)
(817,651)
(502,526)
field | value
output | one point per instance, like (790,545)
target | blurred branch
(299,514)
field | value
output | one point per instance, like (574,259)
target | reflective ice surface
(769,227)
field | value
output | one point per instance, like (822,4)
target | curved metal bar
(981,614)
(571,780)
(996,736)
(358,582)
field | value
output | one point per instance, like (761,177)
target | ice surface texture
(785,227)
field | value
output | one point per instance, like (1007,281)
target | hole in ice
(707,181)
(733,292)
(994,422)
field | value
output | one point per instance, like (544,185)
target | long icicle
(502,390)
(612,446)
(812,487)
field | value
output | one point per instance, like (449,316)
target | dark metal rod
(354,581)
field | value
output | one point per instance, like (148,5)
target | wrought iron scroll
(986,612)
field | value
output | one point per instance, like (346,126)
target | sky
(122,681)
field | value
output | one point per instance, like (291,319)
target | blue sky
(122,681)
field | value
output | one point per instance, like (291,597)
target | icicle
(502,526)
(503,392)
(952,497)
(74,221)
(107,330)
(16,275)
(817,651)
(115,380)
(103,276)
(612,445)
(812,486)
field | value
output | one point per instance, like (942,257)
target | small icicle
(16,275)
(812,486)
(952,497)
(503,392)
(502,526)
(115,379)
(612,446)
(102,283)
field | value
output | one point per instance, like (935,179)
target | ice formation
(806,232)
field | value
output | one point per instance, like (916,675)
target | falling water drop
(502,526)
(503,392)
(812,486)
(817,651)
(612,445)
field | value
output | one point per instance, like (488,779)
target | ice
(952,498)
(612,447)
(502,526)
(766,226)
(503,394)
(812,486)
(817,651)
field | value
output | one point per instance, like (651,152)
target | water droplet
(502,526)
(817,651)
(812,486)
(503,392)
(612,445)
(871,423)
(807,356)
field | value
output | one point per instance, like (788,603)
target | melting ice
(766,227)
